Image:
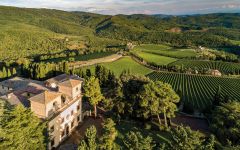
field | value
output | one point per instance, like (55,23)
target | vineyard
(198,91)
(224,67)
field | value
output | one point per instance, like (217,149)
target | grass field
(166,51)
(158,59)
(125,63)
(224,67)
(197,90)
(150,47)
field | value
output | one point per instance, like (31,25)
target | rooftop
(45,97)
(70,83)
(18,83)
(61,78)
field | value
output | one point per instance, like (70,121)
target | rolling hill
(26,32)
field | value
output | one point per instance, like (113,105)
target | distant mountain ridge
(29,31)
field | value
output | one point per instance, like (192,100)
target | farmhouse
(215,73)
(57,100)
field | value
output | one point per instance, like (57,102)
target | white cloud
(132,6)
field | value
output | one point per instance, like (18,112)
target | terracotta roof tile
(45,97)
(70,83)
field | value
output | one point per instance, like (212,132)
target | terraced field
(166,51)
(198,91)
(224,67)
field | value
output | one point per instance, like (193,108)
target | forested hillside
(30,32)
(213,30)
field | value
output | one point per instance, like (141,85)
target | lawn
(166,51)
(125,63)
(152,47)
(158,59)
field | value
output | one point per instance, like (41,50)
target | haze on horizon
(170,7)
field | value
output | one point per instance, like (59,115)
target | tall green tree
(135,141)
(88,73)
(4,72)
(9,74)
(169,99)
(107,140)
(158,97)
(14,71)
(225,122)
(150,99)
(22,130)
(183,138)
(90,140)
(93,92)
(102,74)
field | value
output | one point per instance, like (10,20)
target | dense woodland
(30,32)
(123,101)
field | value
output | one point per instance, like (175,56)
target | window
(52,129)
(77,89)
(67,117)
(52,142)
(72,124)
(72,112)
(78,118)
(62,134)
(62,120)
(78,107)
(63,99)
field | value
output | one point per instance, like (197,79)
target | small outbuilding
(215,73)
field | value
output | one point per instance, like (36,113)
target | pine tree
(93,92)
(107,141)
(88,73)
(135,141)
(22,130)
(9,74)
(14,71)
(183,138)
(4,72)
(90,139)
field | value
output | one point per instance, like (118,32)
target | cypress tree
(9,74)
(4,72)
(14,71)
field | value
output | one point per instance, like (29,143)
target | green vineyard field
(197,90)
(224,67)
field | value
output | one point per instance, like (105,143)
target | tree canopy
(93,92)
(226,122)
(21,130)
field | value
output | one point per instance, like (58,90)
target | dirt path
(110,58)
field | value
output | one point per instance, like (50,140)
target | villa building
(57,101)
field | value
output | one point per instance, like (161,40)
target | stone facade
(57,101)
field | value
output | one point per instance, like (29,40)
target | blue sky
(174,7)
